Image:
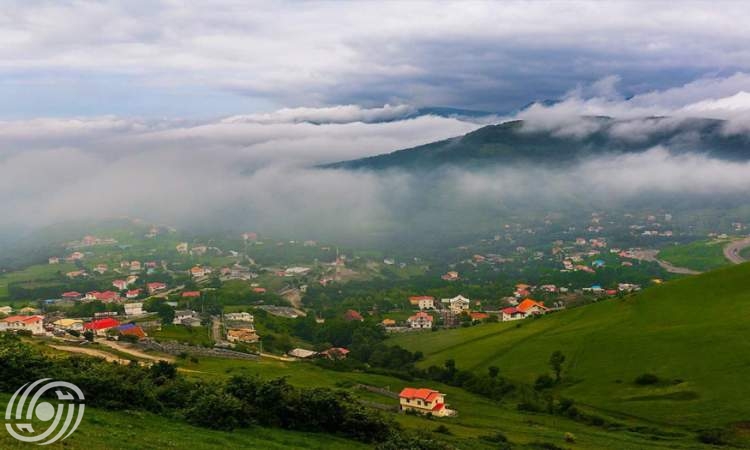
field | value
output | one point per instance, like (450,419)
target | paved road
(733,249)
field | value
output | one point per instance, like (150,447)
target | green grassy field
(690,333)
(135,430)
(699,255)
(192,336)
(37,273)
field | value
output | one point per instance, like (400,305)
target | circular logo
(57,420)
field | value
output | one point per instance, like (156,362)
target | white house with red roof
(420,320)
(34,324)
(133,293)
(198,272)
(424,401)
(422,301)
(100,326)
(120,284)
(156,286)
(511,313)
(72,295)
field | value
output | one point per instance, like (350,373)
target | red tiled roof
(191,294)
(24,319)
(420,315)
(101,324)
(510,310)
(425,394)
(353,315)
(416,298)
(438,407)
(528,304)
(479,315)
(71,294)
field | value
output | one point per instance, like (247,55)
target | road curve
(733,249)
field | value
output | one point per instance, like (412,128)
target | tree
(494,371)
(556,361)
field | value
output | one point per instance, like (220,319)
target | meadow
(699,255)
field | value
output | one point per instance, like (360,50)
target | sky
(176,59)
(192,114)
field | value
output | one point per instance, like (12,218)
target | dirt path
(733,249)
(91,352)
(278,358)
(133,352)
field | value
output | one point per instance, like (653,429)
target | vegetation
(698,255)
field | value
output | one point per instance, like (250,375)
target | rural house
(424,401)
(422,301)
(420,320)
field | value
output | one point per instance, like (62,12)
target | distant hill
(690,333)
(512,143)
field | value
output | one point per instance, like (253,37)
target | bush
(646,379)
(570,437)
(543,382)
(713,436)
(497,438)
(442,429)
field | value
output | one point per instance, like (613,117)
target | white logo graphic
(25,405)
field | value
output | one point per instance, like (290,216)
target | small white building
(423,301)
(420,320)
(239,317)
(133,309)
(179,316)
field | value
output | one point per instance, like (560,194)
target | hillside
(510,143)
(691,333)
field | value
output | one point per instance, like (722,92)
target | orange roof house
(423,400)
(479,315)
(529,306)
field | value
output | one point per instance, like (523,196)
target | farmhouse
(34,324)
(529,307)
(423,301)
(191,294)
(352,315)
(133,293)
(182,315)
(388,323)
(239,317)
(450,276)
(420,320)
(155,287)
(6,310)
(72,295)
(424,401)
(511,313)
(130,329)
(301,353)
(197,272)
(335,353)
(68,324)
(120,284)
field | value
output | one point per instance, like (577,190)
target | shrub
(570,437)
(543,382)
(713,436)
(497,438)
(646,379)
(442,429)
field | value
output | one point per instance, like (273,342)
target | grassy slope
(692,329)
(699,255)
(137,430)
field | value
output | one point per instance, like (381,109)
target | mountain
(689,333)
(514,142)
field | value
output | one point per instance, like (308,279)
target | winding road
(733,249)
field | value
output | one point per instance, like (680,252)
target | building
(53,260)
(242,335)
(6,310)
(191,294)
(72,295)
(477,315)
(135,266)
(511,313)
(422,301)
(239,317)
(351,315)
(424,401)
(106,296)
(155,287)
(197,272)
(34,324)
(450,276)
(68,324)
(133,309)
(388,323)
(301,353)
(457,304)
(120,284)
(182,248)
(101,269)
(130,329)
(529,307)
(101,326)
(420,320)
(133,293)
(180,316)
(335,353)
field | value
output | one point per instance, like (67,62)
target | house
(28,311)
(191,294)
(250,236)
(424,401)
(133,293)
(130,329)
(335,353)
(135,266)
(182,248)
(106,296)
(101,326)
(68,324)
(243,335)
(133,309)
(101,269)
(6,310)
(301,353)
(197,272)
(259,290)
(479,315)
(53,260)
(420,320)
(34,324)
(450,276)
(199,250)
(388,323)
(72,295)
(457,304)
(180,316)
(75,273)
(75,256)
(351,315)
(120,284)
(131,279)
(532,307)
(423,301)
(155,287)
(511,313)
(239,317)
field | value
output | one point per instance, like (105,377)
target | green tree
(556,361)
(494,371)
